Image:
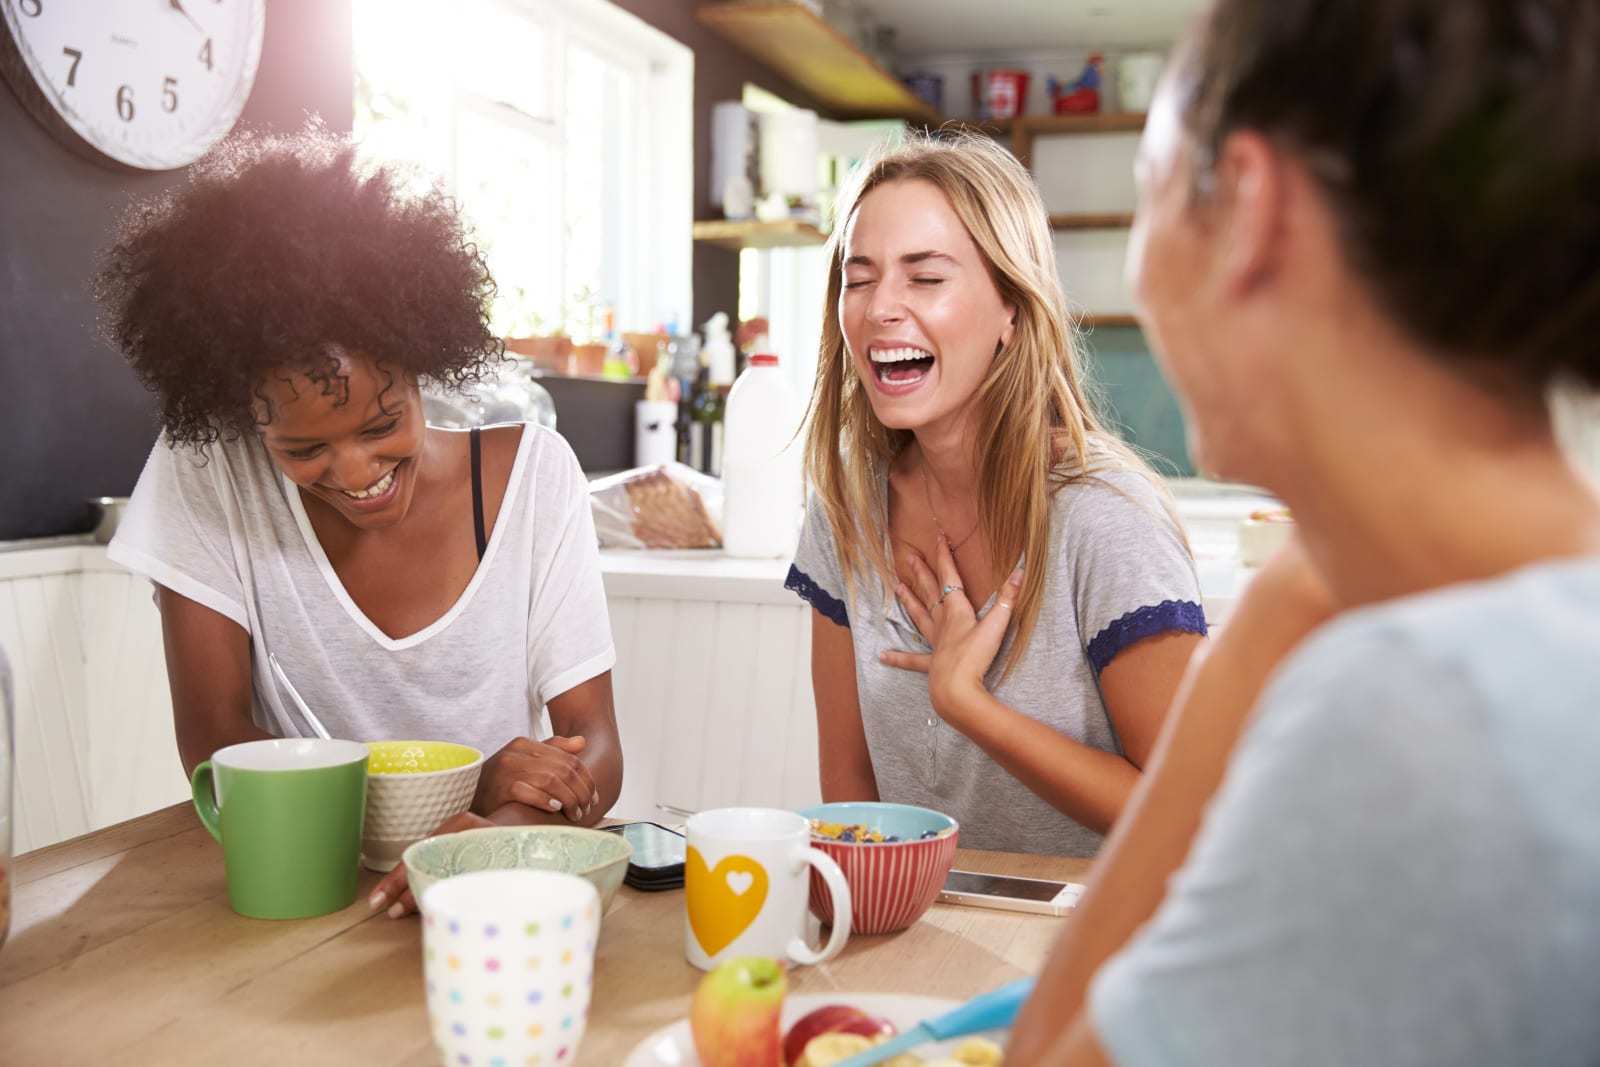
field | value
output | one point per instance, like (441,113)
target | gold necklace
(928,492)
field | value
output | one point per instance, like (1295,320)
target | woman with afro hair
(285,307)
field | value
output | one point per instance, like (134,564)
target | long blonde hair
(1038,430)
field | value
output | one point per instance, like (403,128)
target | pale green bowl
(600,857)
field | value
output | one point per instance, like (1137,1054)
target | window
(563,127)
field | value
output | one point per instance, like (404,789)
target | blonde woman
(1003,601)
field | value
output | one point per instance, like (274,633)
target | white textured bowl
(412,787)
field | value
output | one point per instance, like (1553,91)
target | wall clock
(149,84)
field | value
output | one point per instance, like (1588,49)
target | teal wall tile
(1136,397)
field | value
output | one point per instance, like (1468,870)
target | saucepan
(107,514)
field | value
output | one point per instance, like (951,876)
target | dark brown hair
(278,251)
(1458,142)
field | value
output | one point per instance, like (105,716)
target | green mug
(288,814)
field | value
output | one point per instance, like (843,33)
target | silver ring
(947,590)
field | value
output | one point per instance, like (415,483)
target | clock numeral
(72,71)
(31,8)
(169,95)
(125,103)
(205,53)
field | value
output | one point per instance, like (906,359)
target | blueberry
(929,833)
(891,839)
(847,835)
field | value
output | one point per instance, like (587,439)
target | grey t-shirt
(1119,571)
(1403,864)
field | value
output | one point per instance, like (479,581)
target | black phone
(658,855)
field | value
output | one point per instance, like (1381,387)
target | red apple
(734,1016)
(831,1019)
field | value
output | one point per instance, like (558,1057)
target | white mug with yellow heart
(747,882)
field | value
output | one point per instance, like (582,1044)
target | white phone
(1012,894)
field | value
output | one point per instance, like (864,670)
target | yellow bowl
(419,757)
(412,787)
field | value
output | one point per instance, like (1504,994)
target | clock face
(150,83)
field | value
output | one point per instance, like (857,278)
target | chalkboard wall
(74,423)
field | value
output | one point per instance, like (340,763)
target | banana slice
(825,1050)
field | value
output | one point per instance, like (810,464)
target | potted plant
(526,334)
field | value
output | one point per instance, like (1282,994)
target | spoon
(288,687)
(672,809)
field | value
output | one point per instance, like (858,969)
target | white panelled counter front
(712,683)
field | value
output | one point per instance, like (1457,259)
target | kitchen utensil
(892,883)
(508,964)
(599,857)
(108,514)
(288,687)
(1000,94)
(746,886)
(5,797)
(673,809)
(412,787)
(288,814)
(1137,75)
(993,1010)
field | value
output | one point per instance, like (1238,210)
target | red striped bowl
(891,883)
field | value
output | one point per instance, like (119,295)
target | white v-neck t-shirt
(225,529)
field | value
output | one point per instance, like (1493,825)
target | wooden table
(123,950)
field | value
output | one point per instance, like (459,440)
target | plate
(673,1046)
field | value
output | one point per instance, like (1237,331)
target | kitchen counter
(712,683)
(1210,513)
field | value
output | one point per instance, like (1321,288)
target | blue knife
(987,1011)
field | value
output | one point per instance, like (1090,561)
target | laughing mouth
(901,365)
(377,488)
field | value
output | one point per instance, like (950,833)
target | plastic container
(927,87)
(655,432)
(5,797)
(719,349)
(1137,75)
(762,485)
(1000,94)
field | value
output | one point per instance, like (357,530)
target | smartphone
(658,855)
(1012,894)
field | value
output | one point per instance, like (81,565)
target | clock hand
(177,5)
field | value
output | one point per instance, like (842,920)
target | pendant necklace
(928,492)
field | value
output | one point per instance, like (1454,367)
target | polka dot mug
(509,961)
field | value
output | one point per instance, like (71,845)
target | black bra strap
(477,492)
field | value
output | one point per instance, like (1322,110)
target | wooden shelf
(992,127)
(745,233)
(1097,122)
(1089,320)
(796,44)
(1108,221)
(1025,129)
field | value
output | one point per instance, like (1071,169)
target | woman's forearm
(1085,784)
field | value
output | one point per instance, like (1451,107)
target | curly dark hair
(1457,144)
(278,248)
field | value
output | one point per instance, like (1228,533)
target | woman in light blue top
(1367,246)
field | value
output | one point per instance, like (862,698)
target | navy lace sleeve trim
(829,605)
(1181,616)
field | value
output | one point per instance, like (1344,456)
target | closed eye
(303,453)
(384,430)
